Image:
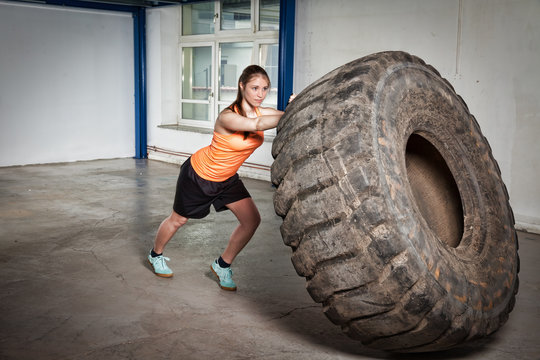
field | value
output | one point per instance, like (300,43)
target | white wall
(488,49)
(66,84)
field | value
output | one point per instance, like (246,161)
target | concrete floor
(75,283)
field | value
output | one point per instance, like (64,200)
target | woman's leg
(167,229)
(165,232)
(248,215)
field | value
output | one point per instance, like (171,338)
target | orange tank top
(224,156)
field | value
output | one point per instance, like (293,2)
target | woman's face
(255,90)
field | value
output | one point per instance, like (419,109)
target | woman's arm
(228,121)
(269,111)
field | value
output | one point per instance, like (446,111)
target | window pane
(269,15)
(198,18)
(268,58)
(235,14)
(235,57)
(196,72)
(196,111)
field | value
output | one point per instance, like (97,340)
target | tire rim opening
(434,189)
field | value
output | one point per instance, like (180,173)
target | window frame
(252,34)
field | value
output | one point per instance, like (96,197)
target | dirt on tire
(394,207)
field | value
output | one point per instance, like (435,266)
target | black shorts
(194,195)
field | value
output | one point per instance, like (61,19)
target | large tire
(394,207)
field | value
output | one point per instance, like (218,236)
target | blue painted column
(286,51)
(139,34)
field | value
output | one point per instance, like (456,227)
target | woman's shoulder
(228,109)
(225,112)
(225,117)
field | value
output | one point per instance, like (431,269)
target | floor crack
(293,310)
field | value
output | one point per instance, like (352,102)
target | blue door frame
(139,34)
(286,58)
(287,10)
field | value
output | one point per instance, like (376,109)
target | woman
(209,176)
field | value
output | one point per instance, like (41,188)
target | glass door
(197,84)
(234,57)
(268,58)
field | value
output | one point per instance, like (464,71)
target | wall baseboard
(527,224)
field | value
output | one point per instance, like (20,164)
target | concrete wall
(66,84)
(488,49)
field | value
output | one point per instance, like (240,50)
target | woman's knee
(176,220)
(246,212)
(257,219)
(253,221)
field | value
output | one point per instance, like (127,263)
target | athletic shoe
(159,266)
(224,276)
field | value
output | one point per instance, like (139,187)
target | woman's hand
(291,98)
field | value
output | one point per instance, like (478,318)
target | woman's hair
(250,72)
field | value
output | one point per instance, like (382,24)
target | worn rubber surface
(394,206)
